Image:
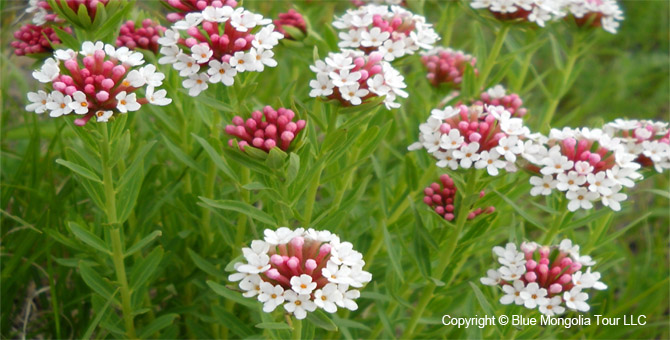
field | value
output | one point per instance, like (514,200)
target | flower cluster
(34,39)
(378,2)
(353,77)
(393,31)
(497,95)
(544,277)
(42,12)
(486,137)
(183,7)
(605,13)
(145,37)
(267,129)
(536,11)
(648,140)
(442,199)
(587,165)
(303,270)
(446,66)
(290,19)
(220,44)
(105,85)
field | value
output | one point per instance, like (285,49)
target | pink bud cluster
(442,199)
(98,81)
(446,66)
(390,30)
(183,7)
(266,130)
(351,77)
(544,276)
(34,39)
(292,19)
(483,137)
(303,270)
(497,96)
(649,140)
(145,37)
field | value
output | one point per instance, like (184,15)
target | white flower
(59,104)
(344,253)
(344,78)
(581,199)
(127,102)
(281,236)
(533,295)
(186,65)
(452,140)
(266,38)
(303,284)
(322,86)
(251,286)
(583,168)
(151,77)
(467,154)
(196,83)
(588,280)
(244,61)
(170,54)
(299,305)
(257,263)
(500,251)
(374,37)
(492,278)
(337,274)
(600,183)
(340,61)
(552,307)
(491,161)
(542,185)
(513,293)
(576,299)
(566,246)
(39,101)
(509,147)
(327,297)
(88,48)
(264,58)
(351,38)
(221,72)
(169,38)
(80,103)
(134,79)
(103,116)
(570,182)
(556,163)
(614,199)
(158,97)
(65,54)
(512,258)
(511,273)
(201,53)
(447,113)
(446,159)
(348,297)
(271,296)
(353,93)
(48,72)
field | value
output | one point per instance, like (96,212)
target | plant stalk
(493,55)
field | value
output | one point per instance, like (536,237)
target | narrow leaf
(79,170)
(321,320)
(88,237)
(158,324)
(240,207)
(231,295)
(143,243)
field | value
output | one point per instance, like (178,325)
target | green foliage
(183,202)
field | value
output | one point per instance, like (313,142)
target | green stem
(311,196)
(566,75)
(115,233)
(297,329)
(119,266)
(493,55)
(556,224)
(469,195)
(210,177)
(242,220)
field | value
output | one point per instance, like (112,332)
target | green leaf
(273,325)
(143,269)
(130,184)
(240,207)
(79,170)
(217,159)
(98,316)
(205,265)
(392,253)
(111,25)
(523,212)
(88,238)
(231,295)
(95,281)
(293,167)
(158,324)
(232,322)
(321,320)
(67,39)
(181,156)
(82,14)
(276,158)
(142,243)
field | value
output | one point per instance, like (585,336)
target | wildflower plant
(204,216)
